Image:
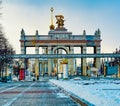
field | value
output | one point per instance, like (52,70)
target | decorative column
(23,48)
(83,61)
(97,62)
(97,49)
(43,68)
(23,51)
(71,62)
(37,62)
(36,52)
(40,72)
(49,61)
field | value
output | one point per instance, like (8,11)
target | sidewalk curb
(79,100)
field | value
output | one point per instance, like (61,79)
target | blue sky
(79,15)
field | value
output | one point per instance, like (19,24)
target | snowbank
(98,92)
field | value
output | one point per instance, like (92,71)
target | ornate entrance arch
(60,38)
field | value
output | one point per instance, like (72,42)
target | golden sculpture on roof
(60,20)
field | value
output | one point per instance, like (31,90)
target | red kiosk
(22,74)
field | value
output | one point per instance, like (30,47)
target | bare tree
(6,50)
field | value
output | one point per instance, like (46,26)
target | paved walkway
(42,93)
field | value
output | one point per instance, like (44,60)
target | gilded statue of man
(60,20)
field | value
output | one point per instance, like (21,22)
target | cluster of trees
(6,50)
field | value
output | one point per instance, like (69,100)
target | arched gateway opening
(60,40)
(60,67)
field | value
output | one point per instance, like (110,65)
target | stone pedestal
(65,70)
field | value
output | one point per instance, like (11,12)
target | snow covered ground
(100,92)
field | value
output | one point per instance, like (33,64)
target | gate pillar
(49,62)
(71,62)
(83,61)
(23,51)
(37,62)
(97,62)
(43,66)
